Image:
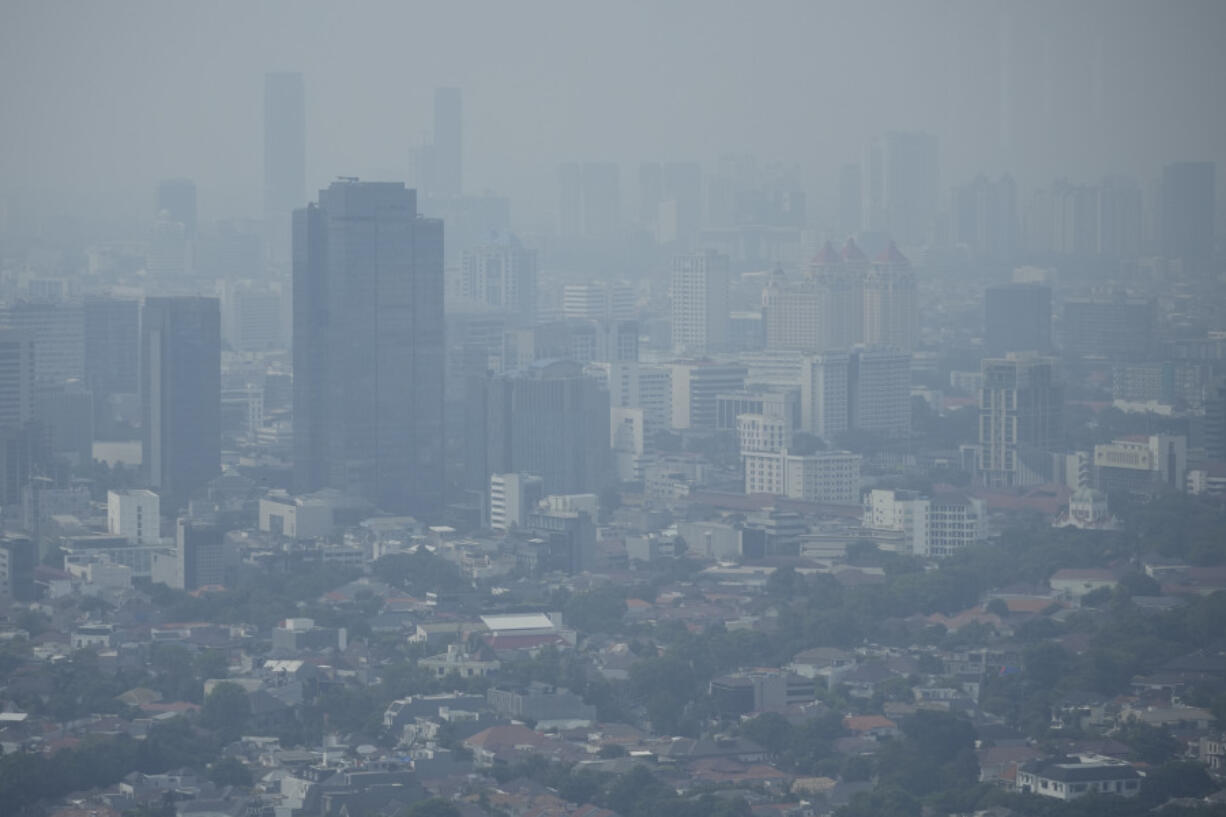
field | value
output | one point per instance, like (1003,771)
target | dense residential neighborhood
(1044,662)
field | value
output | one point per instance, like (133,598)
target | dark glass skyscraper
(551,420)
(284,159)
(112,330)
(180,378)
(369,347)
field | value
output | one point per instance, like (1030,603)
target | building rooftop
(509,623)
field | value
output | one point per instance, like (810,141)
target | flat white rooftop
(517,621)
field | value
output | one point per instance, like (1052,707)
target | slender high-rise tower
(1021,405)
(448,142)
(180,379)
(19,437)
(16,378)
(699,294)
(284,160)
(369,347)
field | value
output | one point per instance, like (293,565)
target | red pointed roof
(852,251)
(826,256)
(890,255)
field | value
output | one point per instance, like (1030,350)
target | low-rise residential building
(760,690)
(1070,777)
(462,663)
(1073,583)
(540,703)
(297,517)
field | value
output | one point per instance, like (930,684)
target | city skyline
(984,96)
(810,408)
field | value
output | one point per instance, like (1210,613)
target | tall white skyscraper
(699,295)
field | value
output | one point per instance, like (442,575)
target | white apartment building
(626,437)
(655,385)
(297,517)
(823,394)
(955,521)
(898,512)
(612,300)
(512,498)
(572,503)
(762,433)
(699,293)
(135,515)
(828,477)
(933,527)
(1145,463)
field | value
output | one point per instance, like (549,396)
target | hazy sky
(103,98)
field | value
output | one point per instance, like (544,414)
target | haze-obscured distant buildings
(284,160)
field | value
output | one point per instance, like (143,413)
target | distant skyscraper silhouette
(891,317)
(369,347)
(177,198)
(902,186)
(284,160)
(181,395)
(589,203)
(670,201)
(1188,211)
(985,217)
(501,273)
(851,199)
(448,142)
